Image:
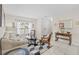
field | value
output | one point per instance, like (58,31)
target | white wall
(41,10)
(75,35)
(46,25)
(2,29)
(38,29)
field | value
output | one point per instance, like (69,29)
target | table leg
(56,38)
(70,40)
(0,47)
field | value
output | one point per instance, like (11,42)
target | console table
(63,36)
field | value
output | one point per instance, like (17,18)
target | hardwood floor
(62,48)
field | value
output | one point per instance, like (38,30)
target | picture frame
(61,25)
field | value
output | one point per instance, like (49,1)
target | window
(23,27)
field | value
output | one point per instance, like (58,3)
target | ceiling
(41,10)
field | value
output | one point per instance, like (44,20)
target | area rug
(31,50)
(18,51)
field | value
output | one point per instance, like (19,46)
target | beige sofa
(9,42)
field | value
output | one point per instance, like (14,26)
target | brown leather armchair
(46,39)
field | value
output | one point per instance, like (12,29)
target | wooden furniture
(63,36)
(46,39)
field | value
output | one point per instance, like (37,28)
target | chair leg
(40,42)
(48,44)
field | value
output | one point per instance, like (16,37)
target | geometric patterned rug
(31,50)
